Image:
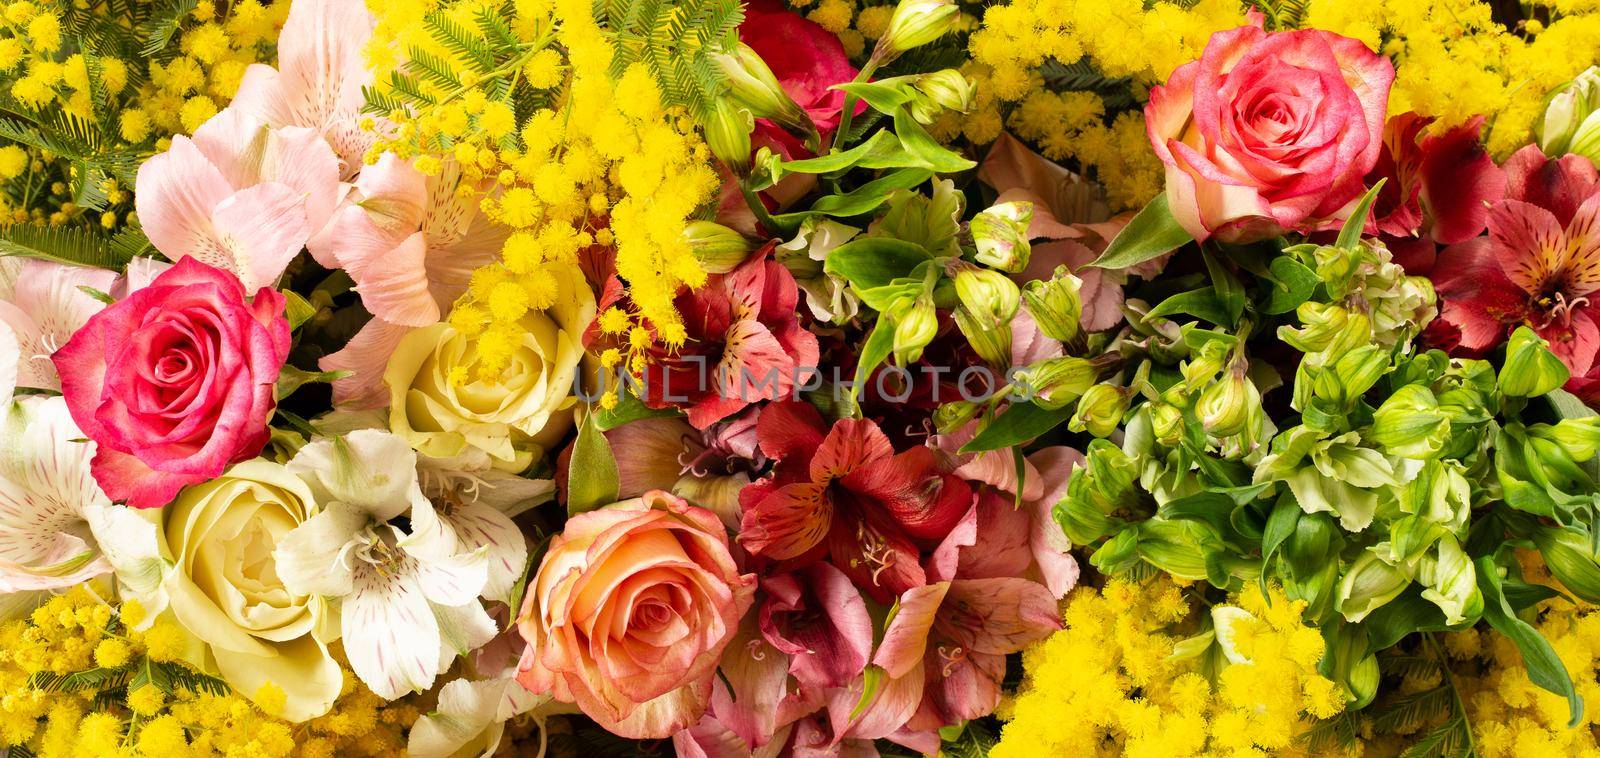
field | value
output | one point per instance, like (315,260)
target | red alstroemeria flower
(843,492)
(1539,265)
(1438,188)
(745,344)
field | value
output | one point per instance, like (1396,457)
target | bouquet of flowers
(820,377)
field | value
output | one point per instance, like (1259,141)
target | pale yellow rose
(223,585)
(441,407)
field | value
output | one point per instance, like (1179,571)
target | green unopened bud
(991,343)
(1571,120)
(1363,680)
(1055,305)
(1410,424)
(953,415)
(1054,383)
(915,23)
(1330,330)
(1166,423)
(988,295)
(1174,547)
(1570,555)
(717,248)
(1580,437)
(943,90)
(1100,410)
(1531,370)
(1451,582)
(727,131)
(913,330)
(752,85)
(1368,585)
(1227,406)
(1001,235)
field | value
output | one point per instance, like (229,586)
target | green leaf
(1295,283)
(860,200)
(61,244)
(974,741)
(291,378)
(1350,234)
(629,409)
(592,479)
(1211,508)
(96,294)
(163,24)
(1567,405)
(879,143)
(872,681)
(1015,425)
(869,262)
(1202,303)
(297,309)
(1544,666)
(919,143)
(885,98)
(876,350)
(1151,233)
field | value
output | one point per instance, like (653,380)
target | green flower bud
(727,131)
(1580,437)
(988,295)
(1166,422)
(1531,370)
(1055,305)
(1570,555)
(939,91)
(1410,424)
(1107,485)
(1001,235)
(1174,547)
(992,343)
(915,23)
(1368,585)
(1100,410)
(717,248)
(1053,383)
(953,415)
(914,329)
(1227,406)
(1571,120)
(752,85)
(1451,582)
(1327,330)
(1363,681)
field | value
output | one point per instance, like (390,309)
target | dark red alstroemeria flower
(745,344)
(1539,266)
(843,492)
(1437,191)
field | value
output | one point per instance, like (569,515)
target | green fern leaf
(61,244)
(163,25)
(460,40)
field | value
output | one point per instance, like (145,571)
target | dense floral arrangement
(821,377)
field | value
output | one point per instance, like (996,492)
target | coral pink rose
(175,381)
(629,613)
(1269,132)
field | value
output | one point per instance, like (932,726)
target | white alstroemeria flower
(43,304)
(53,517)
(471,717)
(409,601)
(478,507)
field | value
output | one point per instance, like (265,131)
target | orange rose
(629,613)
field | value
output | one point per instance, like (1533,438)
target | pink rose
(175,381)
(629,613)
(1269,132)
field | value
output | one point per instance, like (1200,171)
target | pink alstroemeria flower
(843,492)
(1539,266)
(240,196)
(318,82)
(42,304)
(745,344)
(410,243)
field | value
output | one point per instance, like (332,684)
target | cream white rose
(223,585)
(438,404)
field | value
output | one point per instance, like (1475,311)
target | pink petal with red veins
(997,615)
(966,687)
(1575,342)
(850,444)
(790,429)
(787,522)
(1051,549)
(876,556)
(910,490)
(1529,244)
(908,634)
(1583,249)
(896,702)
(829,642)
